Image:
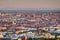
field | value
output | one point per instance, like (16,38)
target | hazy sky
(29,3)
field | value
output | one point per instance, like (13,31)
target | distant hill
(30,10)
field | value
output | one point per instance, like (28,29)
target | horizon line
(29,8)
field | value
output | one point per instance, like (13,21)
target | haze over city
(29,3)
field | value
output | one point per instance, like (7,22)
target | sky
(29,3)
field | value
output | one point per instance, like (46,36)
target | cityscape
(30,25)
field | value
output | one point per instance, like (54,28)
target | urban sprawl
(30,26)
